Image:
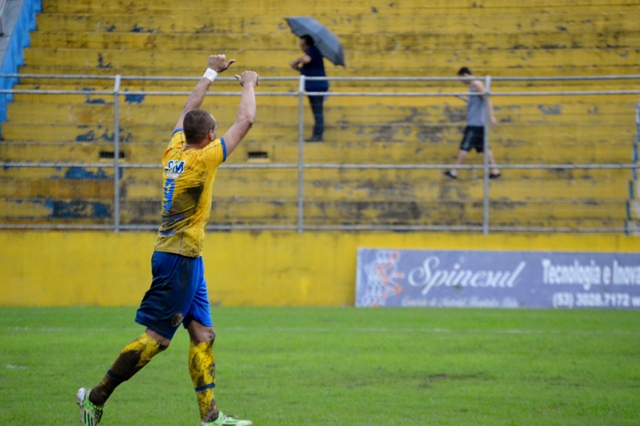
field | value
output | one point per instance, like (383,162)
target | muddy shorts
(178,294)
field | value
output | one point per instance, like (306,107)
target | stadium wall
(242,268)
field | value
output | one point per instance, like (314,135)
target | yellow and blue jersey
(188,187)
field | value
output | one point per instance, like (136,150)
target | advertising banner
(497,279)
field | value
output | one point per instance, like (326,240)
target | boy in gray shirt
(476,120)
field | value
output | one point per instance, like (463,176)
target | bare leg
(462,155)
(492,162)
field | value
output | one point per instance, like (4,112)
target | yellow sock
(132,358)
(145,347)
(202,367)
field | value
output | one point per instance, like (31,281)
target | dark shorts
(178,294)
(473,138)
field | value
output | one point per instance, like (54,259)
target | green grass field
(307,366)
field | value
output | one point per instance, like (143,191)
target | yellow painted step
(284,213)
(372,43)
(373,133)
(279,70)
(354,133)
(288,81)
(292,6)
(355,185)
(355,103)
(426,23)
(444,155)
(72,212)
(86,152)
(139,113)
(423,61)
(392,185)
(9,174)
(318,212)
(409,152)
(398,191)
(414,153)
(529,214)
(57,188)
(409,7)
(398,185)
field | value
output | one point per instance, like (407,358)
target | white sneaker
(224,420)
(90,414)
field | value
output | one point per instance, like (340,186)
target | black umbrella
(326,42)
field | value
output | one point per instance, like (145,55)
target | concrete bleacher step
(49,212)
(52,189)
(341,80)
(409,7)
(130,61)
(399,185)
(385,132)
(551,106)
(347,185)
(279,69)
(363,23)
(253,210)
(133,111)
(372,43)
(407,152)
(283,211)
(12,175)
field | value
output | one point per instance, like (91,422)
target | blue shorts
(178,294)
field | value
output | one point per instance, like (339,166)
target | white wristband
(210,74)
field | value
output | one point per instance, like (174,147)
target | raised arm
(246,113)
(216,63)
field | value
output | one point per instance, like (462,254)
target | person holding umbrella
(311,64)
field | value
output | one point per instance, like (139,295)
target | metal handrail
(294,78)
(293,227)
(300,166)
(336,94)
(376,166)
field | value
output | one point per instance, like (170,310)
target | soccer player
(476,120)
(178,292)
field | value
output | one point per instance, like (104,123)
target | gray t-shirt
(476,110)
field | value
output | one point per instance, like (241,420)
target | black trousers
(316,107)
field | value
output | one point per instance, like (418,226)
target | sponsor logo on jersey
(174,168)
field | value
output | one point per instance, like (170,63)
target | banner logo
(382,278)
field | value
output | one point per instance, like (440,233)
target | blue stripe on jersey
(224,150)
(168,194)
(176,131)
(205,387)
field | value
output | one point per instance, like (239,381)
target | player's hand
(493,122)
(218,64)
(248,77)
